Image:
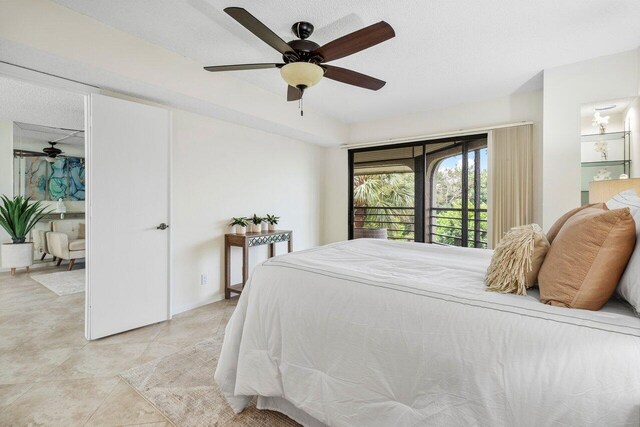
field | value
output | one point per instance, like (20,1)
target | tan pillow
(587,258)
(517,259)
(81,230)
(557,226)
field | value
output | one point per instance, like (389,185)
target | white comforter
(377,333)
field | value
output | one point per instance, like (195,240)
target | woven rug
(63,282)
(181,386)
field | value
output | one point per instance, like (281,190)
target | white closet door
(128,148)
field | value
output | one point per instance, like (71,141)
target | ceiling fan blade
(352,78)
(293,93)
(241,67)
(263,32)
(28,153)
(356,41)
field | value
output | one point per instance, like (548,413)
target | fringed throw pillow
(517,259)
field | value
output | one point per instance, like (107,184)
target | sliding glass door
(458,211)
(384,189)
(432,191)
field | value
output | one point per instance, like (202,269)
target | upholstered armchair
(40,239)
(66,241)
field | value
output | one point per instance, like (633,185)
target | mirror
(34,119)
(48,162)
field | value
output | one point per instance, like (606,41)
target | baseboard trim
(186,307)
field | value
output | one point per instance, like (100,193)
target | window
(417,192)
(452,221)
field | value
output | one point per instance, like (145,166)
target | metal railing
(444,224)
(398,220)
(445,227)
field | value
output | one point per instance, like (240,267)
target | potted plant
(257,223)
(239,224)
(273,221)
(18,217)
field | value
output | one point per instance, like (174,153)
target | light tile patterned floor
(50,375)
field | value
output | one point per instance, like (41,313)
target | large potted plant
(18,217)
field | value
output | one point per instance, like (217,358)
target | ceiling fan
(303,61)
(52,152)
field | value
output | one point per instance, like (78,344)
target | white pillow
(629,285)
(626,199)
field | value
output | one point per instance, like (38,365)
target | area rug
(181,386)
(63,282)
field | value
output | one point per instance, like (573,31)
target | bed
(380,333)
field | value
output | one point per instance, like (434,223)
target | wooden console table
(246,241)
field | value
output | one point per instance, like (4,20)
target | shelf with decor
(604,156)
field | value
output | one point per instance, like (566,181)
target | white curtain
(510,180)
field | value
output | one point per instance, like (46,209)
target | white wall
(632,117)
(221,170)
(515,108)
(565,90)
(525,106)
(6,165)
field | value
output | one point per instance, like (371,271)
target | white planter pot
(16,255)
(265,226)
(272,227)
(240,229)
(256,228)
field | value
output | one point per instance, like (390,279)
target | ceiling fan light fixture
(301,74)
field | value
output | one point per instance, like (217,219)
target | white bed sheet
(381,333)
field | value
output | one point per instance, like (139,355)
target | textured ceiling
(446,52)
(28,103)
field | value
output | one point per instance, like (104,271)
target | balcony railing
(444,225)
(399,221)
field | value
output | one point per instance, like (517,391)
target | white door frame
(44,79)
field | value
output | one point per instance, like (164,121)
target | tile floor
(50,375)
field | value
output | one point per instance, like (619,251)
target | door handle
(162,226)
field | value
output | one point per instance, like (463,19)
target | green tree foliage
(448,195)
(395,193)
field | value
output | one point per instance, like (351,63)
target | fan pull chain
(301,107)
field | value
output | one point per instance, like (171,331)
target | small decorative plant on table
(240,225)
(18,217)
(257,223)
(273,221)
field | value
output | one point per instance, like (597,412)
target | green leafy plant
(18,217)
(256,219)
(272,219)
(241,221)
